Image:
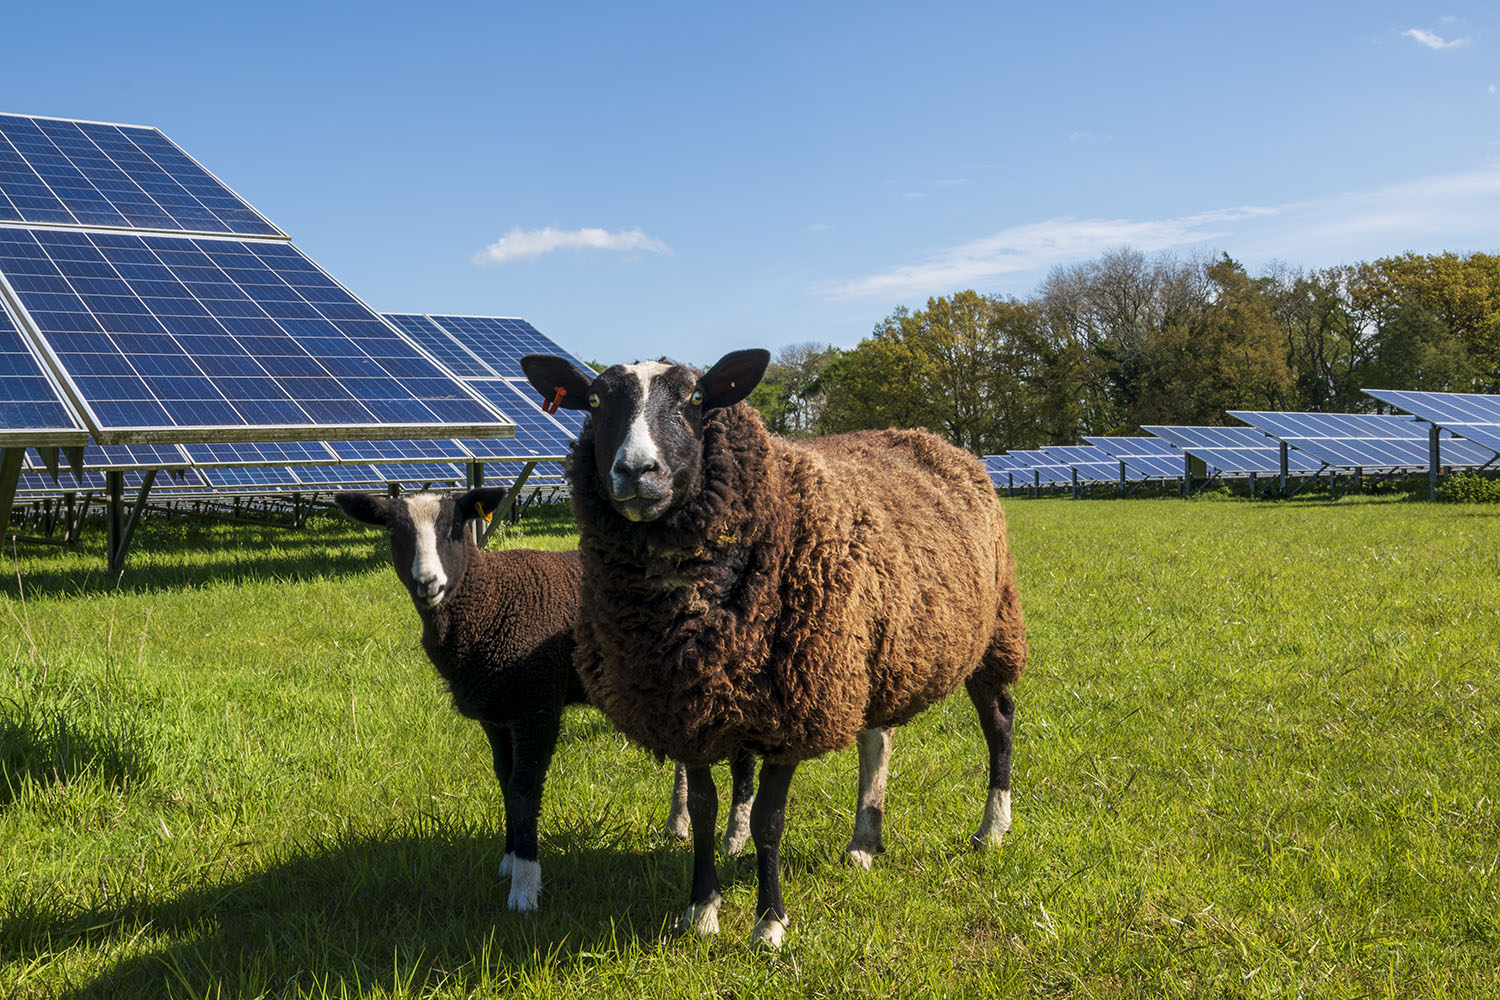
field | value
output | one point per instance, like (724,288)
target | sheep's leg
(869,808)
(500,749)
(997,714)
(767,818)
(702,915)
(533,743)
(677,817)
(742,790)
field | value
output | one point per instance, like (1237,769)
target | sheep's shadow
(380,914)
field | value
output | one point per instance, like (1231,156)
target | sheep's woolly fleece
(803,592)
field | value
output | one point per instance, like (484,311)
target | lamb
(742,592)
(499,628)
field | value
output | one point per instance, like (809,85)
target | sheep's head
(429,544)
(647,421)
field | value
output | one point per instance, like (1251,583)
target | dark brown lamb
(788,598)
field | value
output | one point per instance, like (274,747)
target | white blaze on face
(639,449)
(426,568)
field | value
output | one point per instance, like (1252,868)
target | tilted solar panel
(1364,440)
(443,346)
(172,338)
(537,434)
(436,450)
(1144,457)
(32,410)
(501,342)
(1091,464)
(1472,415)
(60,172)
(1234,449)
(115,457)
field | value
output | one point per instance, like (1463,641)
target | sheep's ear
(364,507)
(481,503)
(733,376)
(558,380)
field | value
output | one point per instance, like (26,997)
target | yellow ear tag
(488,515)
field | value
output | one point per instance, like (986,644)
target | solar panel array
(1144,457)
(1091,464)
(1471,415)
(1232,449)
(32,410)
(1363,440)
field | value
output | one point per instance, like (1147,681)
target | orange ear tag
(550,406)
(488,515)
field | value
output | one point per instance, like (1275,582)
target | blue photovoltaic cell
(1364,440)
(112,457)
(1038,468)
(537,434)
(1472,415)
(31,411)
(1092,464)
(41,484)
(442,346)
(1144,457)
(230,453)
(399,451)
(1234,449)
(60,172)
(227,336)
(501,342)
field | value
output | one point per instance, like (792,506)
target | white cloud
(522,244)
(1432,40)
(1450,211)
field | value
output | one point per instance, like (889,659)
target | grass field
(1256,756)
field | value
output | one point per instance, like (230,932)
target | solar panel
(59,172)
(400,451)
(225,454)
(537,434)
(501,342)
(1233,449)
(173,338)
(1144,457)
(114,457)
(32,410)
(1092,465)
(1363,440)
(1472,415)
(1038,467)
(40,484)
(437,342)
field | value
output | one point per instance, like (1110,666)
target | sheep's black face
(647,422)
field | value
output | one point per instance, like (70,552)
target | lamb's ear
(733,376)
(558,380)
(364,507)
(482,502)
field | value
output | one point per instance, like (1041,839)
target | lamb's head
(647,421)
(430,545)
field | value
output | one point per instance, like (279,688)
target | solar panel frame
(298,357)
(1472,415)
(1144,457)
(1092,464)
(1364,440)
(33,407)
(1232,450)
(114,176)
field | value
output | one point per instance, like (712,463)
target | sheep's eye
(594,400)
(696,398)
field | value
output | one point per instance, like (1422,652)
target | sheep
(743,592)
(499,628)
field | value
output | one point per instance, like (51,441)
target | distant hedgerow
(1469,487)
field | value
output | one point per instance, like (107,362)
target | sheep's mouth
(643,508)
(432,598)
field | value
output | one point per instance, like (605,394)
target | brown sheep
(743,592)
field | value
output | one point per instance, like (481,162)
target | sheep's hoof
(525,886)
(734,842)
(996,822)
(860,858)
(702,919)
(985,841)
(768,934)
(678,826)
(506,864)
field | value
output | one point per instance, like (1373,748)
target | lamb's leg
(767,818)
(533,741)
(869,809)
(742,790)
(500,749)
(677,817)
(702,916)
(997,713)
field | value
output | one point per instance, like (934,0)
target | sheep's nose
(635,470)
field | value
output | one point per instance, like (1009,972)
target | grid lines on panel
(1364,440)
(1476,416)
(71,173)
(1234,449)
(30,407)
(178,332)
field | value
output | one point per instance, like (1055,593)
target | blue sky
(686,179)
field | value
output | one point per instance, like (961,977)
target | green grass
(1256,757)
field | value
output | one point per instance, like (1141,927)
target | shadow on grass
(48,746)
(372,914)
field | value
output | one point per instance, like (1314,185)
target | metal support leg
(121,546)
(114,515)
(1434,461)
(475,479)
(1284,467)
(505,505)
(10,475)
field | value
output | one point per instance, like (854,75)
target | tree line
(1129,339)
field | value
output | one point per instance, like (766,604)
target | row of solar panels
(1468,436)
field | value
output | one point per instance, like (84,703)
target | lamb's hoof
(702,919)
(525,886)
(860,857)
(679,827)
(986,840)
(768,934)
(733,842)
(506,864)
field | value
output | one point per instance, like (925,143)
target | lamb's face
(428,545)
(648,436)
